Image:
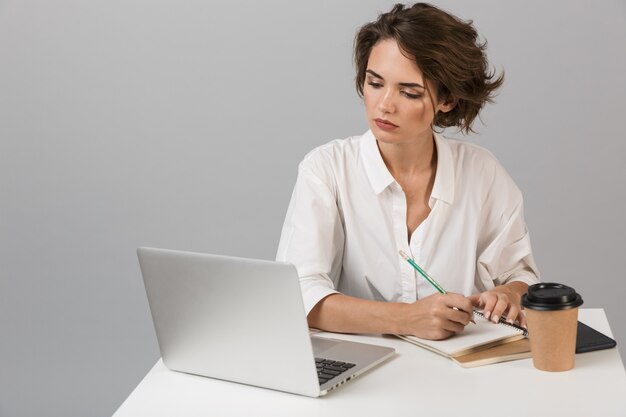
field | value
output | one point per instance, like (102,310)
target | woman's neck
(410,159)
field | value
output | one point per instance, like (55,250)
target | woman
(401,186)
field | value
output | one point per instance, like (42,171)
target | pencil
(426,276)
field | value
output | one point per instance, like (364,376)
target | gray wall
(180,124)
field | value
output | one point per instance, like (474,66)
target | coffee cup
(552,318)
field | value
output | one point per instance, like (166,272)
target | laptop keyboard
(328,369)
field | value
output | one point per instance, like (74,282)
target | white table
(415,382)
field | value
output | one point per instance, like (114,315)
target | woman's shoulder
(465,151)
(477,166)
(334,148)
(470,157)
(333,155)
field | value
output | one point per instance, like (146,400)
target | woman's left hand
(502,300)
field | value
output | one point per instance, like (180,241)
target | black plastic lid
(551,296)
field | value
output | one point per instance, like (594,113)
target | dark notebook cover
(588,339)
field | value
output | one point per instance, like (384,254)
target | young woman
(402,186)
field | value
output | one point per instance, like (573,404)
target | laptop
(243,320)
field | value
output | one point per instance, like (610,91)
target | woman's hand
(502,300)
(437,316)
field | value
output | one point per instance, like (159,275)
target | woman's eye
(375,85)
(410,95)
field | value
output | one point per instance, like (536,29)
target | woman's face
(399,109)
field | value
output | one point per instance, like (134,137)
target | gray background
(180,124)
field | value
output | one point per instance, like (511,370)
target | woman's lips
(385,124)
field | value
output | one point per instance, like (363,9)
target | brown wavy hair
(447,51)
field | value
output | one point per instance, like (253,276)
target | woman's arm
(506,259)
(433,317)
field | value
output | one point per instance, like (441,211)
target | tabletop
(415,381)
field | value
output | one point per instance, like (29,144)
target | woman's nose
(386,104)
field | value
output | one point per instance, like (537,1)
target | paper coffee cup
(552,319)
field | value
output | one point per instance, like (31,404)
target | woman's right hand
(435,317)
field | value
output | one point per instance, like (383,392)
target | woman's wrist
(519,288)
(397,319)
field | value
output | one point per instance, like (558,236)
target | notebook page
(483,333)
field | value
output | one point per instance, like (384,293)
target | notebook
(519,349)
(484,336)
(243,320)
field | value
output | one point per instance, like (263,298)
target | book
(480,344)
(511,351)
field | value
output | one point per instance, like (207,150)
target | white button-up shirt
(346,223)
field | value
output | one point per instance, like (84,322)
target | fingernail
(510,321)
(494,319)
(487,314)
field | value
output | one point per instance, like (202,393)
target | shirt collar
(377,172)
(380,177)
(443,188)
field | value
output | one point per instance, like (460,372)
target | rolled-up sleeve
(312,237)
(509,256)
(506,254)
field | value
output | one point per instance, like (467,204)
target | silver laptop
(243,320)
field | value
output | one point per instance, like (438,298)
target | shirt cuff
(525,278)
(313,294)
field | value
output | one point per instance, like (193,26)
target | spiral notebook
(480,344)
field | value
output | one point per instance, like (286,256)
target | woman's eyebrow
(410,85)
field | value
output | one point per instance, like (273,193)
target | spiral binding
(503,322)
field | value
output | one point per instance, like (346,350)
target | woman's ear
(448,104)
